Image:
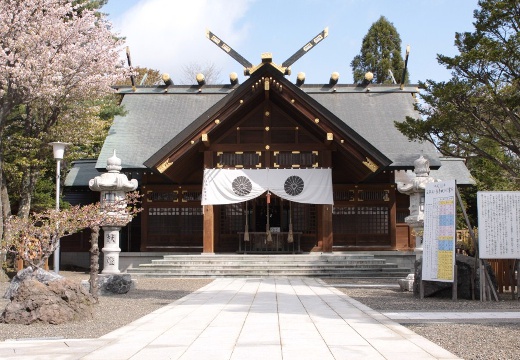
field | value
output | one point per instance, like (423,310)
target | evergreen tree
(380,54)
(476,114)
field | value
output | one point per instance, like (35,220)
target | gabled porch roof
(160,120)
(268,84)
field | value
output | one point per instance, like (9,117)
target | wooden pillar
(325,213)
(208,242)
(144,216)
(325,235)
(208,245)
(393,216)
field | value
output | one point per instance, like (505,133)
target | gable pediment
(269,115)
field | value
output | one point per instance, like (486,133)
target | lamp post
(58,149)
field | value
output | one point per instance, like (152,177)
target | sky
(168,35)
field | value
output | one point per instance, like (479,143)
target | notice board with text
(439,231)
(498,224)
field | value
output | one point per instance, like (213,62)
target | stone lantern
(113,185)
(416,190)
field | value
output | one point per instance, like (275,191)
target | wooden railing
(258,243)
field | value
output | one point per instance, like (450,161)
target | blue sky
(169,34)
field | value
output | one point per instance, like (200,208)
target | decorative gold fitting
(371,165)
(164,166)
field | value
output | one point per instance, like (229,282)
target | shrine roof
(157,114)
(81,172)
(451,169)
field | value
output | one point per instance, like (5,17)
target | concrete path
(232,319)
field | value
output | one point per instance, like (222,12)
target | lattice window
(175,220)
(373,220)
(374,195)
(169,196)
(287,159)
(344,195)
(304,218)
(401,215)
(343,220)
(361,220)
(232,218)
(246,159)
(191,196)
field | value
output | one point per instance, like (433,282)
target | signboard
(439,236)
(498,224)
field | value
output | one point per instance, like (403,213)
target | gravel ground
(111,313)
(483,340)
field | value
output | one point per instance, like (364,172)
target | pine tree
(476,114)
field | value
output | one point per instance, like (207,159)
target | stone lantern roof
(113,180)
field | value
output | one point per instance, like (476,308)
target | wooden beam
(329,138)
(266,88)
(205,139)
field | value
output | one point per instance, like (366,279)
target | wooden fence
(505,269)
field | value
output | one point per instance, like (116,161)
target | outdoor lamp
(58,149)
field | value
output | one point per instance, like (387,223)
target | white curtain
(228,186)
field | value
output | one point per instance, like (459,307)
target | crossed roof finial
(285,68)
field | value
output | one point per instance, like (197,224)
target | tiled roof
(151,121)
(372,115)
(451,169)
(81,172)
(156,115)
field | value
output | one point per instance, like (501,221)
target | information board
(498,224)
(439,231)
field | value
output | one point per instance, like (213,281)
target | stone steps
(304,265)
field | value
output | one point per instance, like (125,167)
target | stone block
(112,284)
(407,283)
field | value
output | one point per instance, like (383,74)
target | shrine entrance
(268,226)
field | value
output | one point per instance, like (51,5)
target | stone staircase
(302,265)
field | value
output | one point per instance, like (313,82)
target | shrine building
(265,166)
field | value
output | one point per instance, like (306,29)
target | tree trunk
(28,184)
(2,205)
(3,118)
(94,261)
(6,203)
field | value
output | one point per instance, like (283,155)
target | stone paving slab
(453,316)
(230,318)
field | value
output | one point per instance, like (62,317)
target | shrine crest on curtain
(228,186)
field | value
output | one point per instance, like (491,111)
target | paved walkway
(453,316)
(248,319)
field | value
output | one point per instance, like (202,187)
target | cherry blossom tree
(55,57)
(35,238)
